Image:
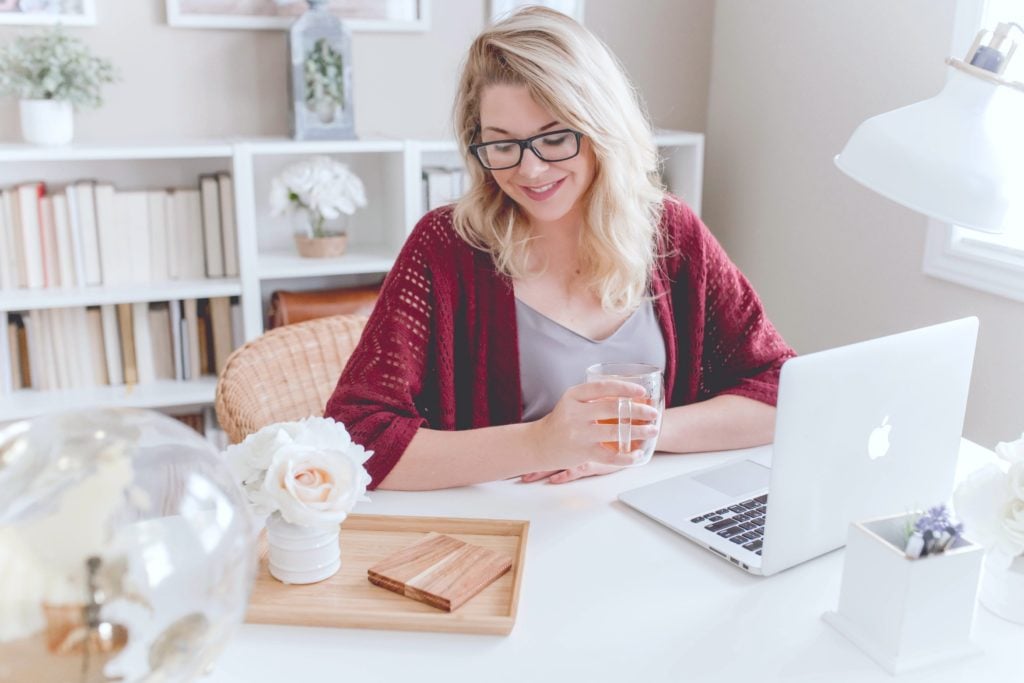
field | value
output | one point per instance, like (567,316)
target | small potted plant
(908,590)
(302,478)
(52,73)
(317,194)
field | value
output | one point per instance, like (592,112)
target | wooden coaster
(439,570)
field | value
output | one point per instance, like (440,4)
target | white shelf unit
(390,169)
(127,167)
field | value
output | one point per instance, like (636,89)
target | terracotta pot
(331,246)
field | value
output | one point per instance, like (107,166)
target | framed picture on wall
(574,8)
(358,15)
(43,12)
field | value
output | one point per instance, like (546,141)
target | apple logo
(878,442)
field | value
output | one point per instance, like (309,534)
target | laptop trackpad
(736,479)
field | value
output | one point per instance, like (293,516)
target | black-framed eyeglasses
(557,145)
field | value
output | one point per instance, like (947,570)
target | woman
(566,248)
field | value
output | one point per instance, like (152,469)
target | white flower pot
(302,554)
(906,613)
(47,122)
(1002,587)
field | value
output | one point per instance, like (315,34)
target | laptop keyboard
(743,523)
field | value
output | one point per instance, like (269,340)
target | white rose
(992,515)
(280,201)
(313,486)
(1016,477)
(1011,451)
(308,469)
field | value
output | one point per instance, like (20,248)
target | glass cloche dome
(126,550)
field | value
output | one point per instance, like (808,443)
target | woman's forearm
(720,423)
(438,459)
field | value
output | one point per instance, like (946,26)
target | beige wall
(181,83)
(835,263)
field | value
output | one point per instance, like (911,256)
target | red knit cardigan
(441,347)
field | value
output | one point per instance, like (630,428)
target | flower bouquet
(307,476)
(316,193)
(991,503)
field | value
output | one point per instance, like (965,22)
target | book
(76,346)
(191,339)
(48,243)
(97,354)
(143,342)
(237,326)
(228,227)
(75,229)
(54,338)
(133,226)
(46,338)
(65,249)
(126,333)
(160,334)
(212,238)
(115,268)
(205,347)
(14,353)
(13,264)
(85,203)
(10,275)
(158,237)
(34,351)
(220,324)
(173,237)
(188,224)
(25,369)
(26,215)
(177,345)
(112,345)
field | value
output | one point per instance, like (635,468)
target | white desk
(610,595)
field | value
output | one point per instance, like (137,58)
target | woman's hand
(587,469)
(580,435)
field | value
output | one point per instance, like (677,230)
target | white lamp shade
(957,157)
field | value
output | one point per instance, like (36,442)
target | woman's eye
(556,141)
(503,149)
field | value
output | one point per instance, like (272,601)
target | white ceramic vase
(302,554)
(47,122)
(1002,587)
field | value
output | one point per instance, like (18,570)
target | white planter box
(906,613)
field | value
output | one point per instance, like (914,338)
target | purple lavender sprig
(933,533)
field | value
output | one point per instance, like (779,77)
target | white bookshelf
(390,169)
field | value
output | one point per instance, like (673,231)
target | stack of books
(89,233)
(121,344)
(443,185)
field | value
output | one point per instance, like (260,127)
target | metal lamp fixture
(959,156)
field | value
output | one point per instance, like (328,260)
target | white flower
(991,509)
(309,470)
(320,184)
(1013,451)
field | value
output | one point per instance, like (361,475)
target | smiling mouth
(541,192)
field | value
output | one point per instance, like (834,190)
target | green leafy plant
(54,66)
(325,84)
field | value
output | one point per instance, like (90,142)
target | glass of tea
(650,378)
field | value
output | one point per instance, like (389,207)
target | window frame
(993,264)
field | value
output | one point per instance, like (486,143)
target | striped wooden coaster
(439,570)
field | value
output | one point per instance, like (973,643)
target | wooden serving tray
(349,600)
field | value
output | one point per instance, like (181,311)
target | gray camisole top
(553,358)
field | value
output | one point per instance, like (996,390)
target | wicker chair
(286,374)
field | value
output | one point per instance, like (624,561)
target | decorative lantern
(320,49)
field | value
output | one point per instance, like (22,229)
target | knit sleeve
(378,395)
(742,353)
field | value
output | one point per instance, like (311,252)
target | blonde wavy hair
(573,75)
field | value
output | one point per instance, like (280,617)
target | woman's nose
(531,165)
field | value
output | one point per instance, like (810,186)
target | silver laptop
(861,431)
